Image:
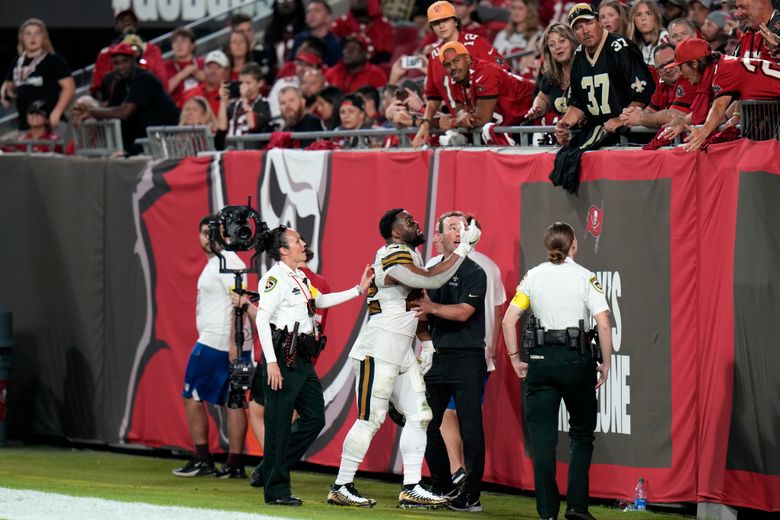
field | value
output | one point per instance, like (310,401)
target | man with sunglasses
(661,108)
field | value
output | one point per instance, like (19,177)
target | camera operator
(208,369)
(291,340)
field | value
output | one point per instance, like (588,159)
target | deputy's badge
(270,284)
(480,88)
(596,285)
(680,91)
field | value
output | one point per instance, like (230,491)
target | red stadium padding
(666,413)
(684,245)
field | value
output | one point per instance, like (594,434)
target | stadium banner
(100,13)
(681,243)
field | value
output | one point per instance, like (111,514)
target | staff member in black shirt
(456,317)
(138,99)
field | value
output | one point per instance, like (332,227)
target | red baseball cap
(122,48)
(308,57)
(690,50)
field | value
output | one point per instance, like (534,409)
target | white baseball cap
(217,57)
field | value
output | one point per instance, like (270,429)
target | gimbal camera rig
(238,228)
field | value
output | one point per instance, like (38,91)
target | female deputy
(561,293)
(286,316)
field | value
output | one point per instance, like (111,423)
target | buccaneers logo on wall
(594,222)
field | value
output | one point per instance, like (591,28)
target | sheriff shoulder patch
(270,284)
(596,285)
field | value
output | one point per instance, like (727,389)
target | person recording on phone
(249,114)
(404,105)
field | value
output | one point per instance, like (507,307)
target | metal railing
(760,120)
(28,145)
(175,142)
(365,136)
(98,138)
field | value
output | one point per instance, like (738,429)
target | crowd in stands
(467,64)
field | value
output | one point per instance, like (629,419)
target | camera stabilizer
(238,228)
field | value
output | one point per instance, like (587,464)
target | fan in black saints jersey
(608,74)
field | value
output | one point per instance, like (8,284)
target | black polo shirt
(467,285)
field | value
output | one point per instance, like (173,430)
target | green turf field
(133,478)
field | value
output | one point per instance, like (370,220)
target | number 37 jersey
(604,84)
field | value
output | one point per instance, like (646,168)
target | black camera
(236,228)
(241,373)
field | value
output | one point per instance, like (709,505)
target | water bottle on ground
(640,495)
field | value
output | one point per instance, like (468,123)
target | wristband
(514,353)
(425,120)
(360,290)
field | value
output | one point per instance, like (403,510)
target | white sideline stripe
(18,504)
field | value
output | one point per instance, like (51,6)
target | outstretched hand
(368,276)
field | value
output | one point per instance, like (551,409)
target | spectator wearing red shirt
(464,9)
(185,71)
(482,91)
(660,110)
(354,70)
(215,73)
(444,21)
(733,78)
(762,33)
(365,18)
(39,130)
(126,24)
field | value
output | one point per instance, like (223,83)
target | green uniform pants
(556,372)
(285,445)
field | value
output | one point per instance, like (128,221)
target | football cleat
(348,495)
(416,496)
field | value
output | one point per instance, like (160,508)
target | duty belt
(555,337)
(291,345)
